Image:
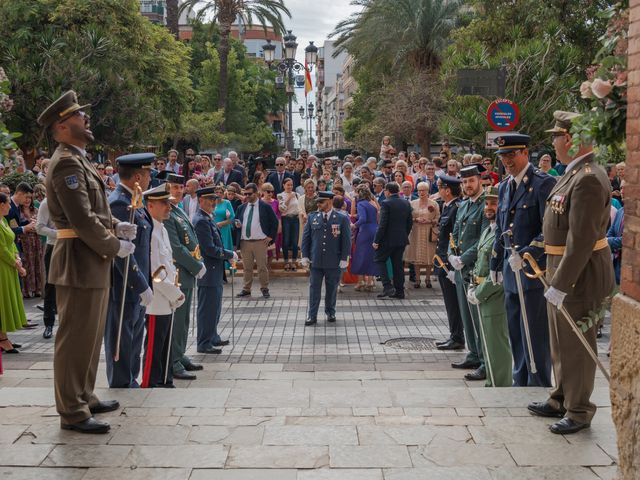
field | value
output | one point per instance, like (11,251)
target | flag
(307,80)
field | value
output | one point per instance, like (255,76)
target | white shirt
(165,292)
(290,208)
(174,167)
(213,172)
(44,225)
(256,230)
(193,206)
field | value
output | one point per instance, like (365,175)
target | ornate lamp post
(289,66)
(309,116)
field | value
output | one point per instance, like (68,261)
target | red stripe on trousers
(146,373)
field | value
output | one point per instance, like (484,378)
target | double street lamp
(309,116)
(289,66)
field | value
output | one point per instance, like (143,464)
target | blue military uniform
(326,241)
(124,372)
(209,286)
(521,210)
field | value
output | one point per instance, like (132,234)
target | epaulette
(540,173)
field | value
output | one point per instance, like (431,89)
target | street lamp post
(309,116)
(288,66)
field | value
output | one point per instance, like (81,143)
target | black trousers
(397,267)
(49,317)
(156,348)
(452,306)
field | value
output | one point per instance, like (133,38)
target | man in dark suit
(391,239)
(277,178)
(21,196)
(386,171)
(228,174)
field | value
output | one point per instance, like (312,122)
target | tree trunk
(423,139)
(172,17)
(223,87)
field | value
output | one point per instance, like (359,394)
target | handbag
(433,234)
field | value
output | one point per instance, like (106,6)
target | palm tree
(173,17)
(225,13)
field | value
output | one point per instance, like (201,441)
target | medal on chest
(558,204)
(335,231)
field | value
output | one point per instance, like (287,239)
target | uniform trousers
(331,278)
(496,349)
(124,373)
(470,323)
(539,330)
(82,314)
(156,348)
(254,251)
(573,368)
(181,332)
(395,255)
(209,309)
(49,316)
(452,307)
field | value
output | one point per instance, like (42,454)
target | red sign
(503,115)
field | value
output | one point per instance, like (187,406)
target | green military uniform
(497,350)
(184,245)
(578,264)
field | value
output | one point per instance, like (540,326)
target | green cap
(491,192)
(61,109)
(563,121)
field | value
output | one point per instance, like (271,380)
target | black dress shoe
(193,367)
(543,409)
(311,321)
(222,343)
(90,425)
(13,350)
(265,292)
(243,293)
(386,293)
(397,295)
(477,374)
(567,426)
(331,318)
(184,375)
(466,365)
(48,331)
(216,351)
(104,407)
(17,345)
(40,307)
(451,345)
(442,342)
(165,385)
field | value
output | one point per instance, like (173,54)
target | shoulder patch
(72,182)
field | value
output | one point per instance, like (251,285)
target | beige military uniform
(578,264)
(80,269)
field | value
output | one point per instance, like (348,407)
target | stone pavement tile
(26,397)
(256,397)
(610,449)
(530,430)
(286,375)
(129,434)
(370,456)
(601,396)
(546,455)
(237,375)
(462,454)
(53,435)
(433,397)
(22,415)
(251,367)
(543,473)
(195,397)
(439,473)
(310,435)
(10,433)
(146,411)
(243,435)
(344,367)
(11,382)
(339,411)
(327,384)
(365,411)
(313,412)
(238,411)
(508,396)
(347,375)
(42,366)
(453,421)
(22,374)
(41,473)
(329,420)
(395,411)
(137,474)
(230,420)
(177,456)
(497,412)
(349,397)
(411,435)
(248,474)
(128,397)
(519,412)
(443,412)
(340,474)
(398,420)
(287,412)
(277,457)
(23,455)
(35,382)
(469,412)
(87,456)
(205,383)
(597,433)
(606,473)
(264,412)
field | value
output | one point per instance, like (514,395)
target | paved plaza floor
(285,402)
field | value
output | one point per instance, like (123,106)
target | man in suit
(88,241)
(277,178)
(134,170)
(233,156)
(386,171)
(523,197)
(391,239)
(378,189)
(190,199)
(187,258)
(210,285)
(228,174)
(22,196)
(258,227)
(580,275)
(326,245)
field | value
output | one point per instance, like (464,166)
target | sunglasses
(279,164)
(246,194)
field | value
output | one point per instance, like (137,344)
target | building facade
(330,98)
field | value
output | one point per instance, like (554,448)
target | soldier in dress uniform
(488,297)
(210,285)
(167,296)
(449,189)
(522,204)
(132,169)
(463,251)
(580,275)
(326,244)
(88,241)
(187,258)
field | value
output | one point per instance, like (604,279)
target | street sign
(490,143)
(503,115)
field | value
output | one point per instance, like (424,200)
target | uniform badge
(335,230)
(13,223)
(558,204)
(72,182)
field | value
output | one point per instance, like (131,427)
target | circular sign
(503,115)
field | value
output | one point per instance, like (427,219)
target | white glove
(471,297)
(126,230)
(516,262)
(126,248)
(201,273)
(496,277)
(343,264)
(452,276)
(235,257)
(555,297)
(146,297)
(456,262)
(305,262)
(178,303)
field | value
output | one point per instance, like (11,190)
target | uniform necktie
(513,186)
(326,218)
(247,229)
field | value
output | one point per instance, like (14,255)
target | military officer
(187,258)
(210,285)
(580,275)
(326,244)
(488,297)
(167,296)
(134,169)
(88,241)
(463,251)
(522,204)
(449,189)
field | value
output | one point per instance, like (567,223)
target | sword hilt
(537,271)
(440,263)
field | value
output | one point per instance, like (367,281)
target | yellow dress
(421,250)
(12,316)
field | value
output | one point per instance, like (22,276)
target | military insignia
(500,141)
(335,230)
(558,204)
(13,223)
(72,182)
(186,239)
(525,179)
